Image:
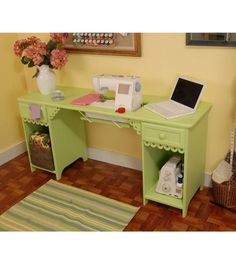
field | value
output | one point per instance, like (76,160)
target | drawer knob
(162,136)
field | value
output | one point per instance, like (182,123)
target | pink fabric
(34,111)
(86,99)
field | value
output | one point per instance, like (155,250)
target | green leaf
(25,60)
(36,73)
(59,45)
(46,60)
(46,140)
(31,64)
(51,45)
(25,45)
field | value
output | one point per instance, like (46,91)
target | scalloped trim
(53,113)
(42,123)
(165,147)
(136,126)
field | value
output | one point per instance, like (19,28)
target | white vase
(46,80)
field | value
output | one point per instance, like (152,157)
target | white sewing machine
(168,183)
(127,90)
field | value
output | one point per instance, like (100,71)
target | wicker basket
(225,194)
(41,157)
(41,151)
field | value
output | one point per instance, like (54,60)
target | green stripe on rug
(59,207)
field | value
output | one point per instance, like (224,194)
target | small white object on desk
(57,95)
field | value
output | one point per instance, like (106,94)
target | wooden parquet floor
(122,184)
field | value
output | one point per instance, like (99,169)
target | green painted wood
(194,163)
(25,112)
(153,160)
(68,138)
(161,138)
(164,199)
(30,128)
(171,136)
(37,167)
(150,169)
(141,114)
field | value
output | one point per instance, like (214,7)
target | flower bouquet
(46,56)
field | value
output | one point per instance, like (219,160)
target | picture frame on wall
(120,44)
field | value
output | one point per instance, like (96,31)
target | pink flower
(58,58)
(28,52)
(19,47)
(35,52)
(31,53)
(37,59)
(59,37)
(32,40)
(41,48)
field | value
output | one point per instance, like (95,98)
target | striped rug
(59,207)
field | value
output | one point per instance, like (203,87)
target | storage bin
(225,193)
(41,151)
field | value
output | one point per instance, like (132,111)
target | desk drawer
(25,112)
(163,135)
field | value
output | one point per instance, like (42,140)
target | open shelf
(151,194)
(38,167)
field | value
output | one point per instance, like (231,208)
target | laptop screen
(187,92)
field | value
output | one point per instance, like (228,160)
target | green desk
(161,139)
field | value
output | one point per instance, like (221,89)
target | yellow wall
(164,57)
(12,86)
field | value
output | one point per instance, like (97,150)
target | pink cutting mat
(86,99)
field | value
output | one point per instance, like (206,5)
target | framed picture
(211,39)
(121,44)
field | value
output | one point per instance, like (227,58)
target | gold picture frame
(120,44)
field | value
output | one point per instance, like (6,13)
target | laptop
(183,100)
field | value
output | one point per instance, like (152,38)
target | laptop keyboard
(172,107)
(166,109)
(165,112)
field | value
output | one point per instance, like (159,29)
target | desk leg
(194,163)
(58,175)
(32,168)
(145,201)
(68,139)
(184,212)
